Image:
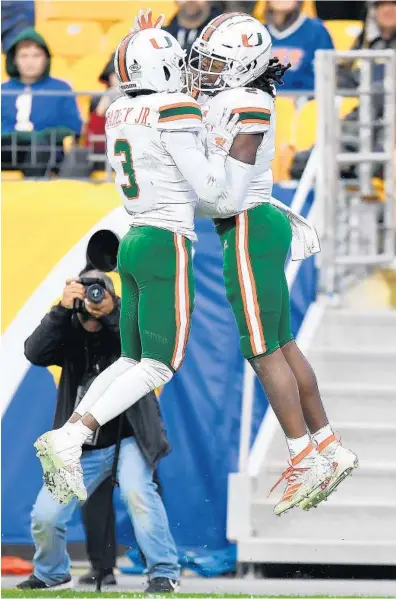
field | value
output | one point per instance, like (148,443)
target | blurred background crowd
(58,75)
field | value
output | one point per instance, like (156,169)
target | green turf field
(70,594)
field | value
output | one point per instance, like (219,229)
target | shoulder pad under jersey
(253,106)
(177,112)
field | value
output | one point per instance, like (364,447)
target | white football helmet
(150,59)
(232,50)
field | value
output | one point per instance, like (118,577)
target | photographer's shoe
(35,584)
(92,576)
(59,452)
(162,585)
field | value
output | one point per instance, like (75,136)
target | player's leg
(342,460)
(253,265)
(129,331)
(254,256)
(162,267)
(166,300)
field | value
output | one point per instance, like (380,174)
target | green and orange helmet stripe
(121,57)
(216,22)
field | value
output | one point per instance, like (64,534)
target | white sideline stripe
(247,285)
(182,292)
(13,364)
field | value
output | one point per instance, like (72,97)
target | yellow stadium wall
(41,222)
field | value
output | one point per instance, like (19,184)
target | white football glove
(144,20)
(220,137)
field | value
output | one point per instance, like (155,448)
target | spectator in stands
(81,161)
(295,39)
(191,18)
(239,6)
(96,124)
(34,126)
(379,31)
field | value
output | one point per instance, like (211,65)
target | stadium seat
(344,33)
(306,120)
(113,37)
(308,9)
(102,176)
(60,68)
(102,11)
(84,103)
(347,105)
(84,77)
(4,76)
(11,175)
(70,39)
(304,127)
(285,115)
(85,73)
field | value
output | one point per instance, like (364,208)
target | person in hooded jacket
(34,124)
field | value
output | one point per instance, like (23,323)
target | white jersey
(257,115)
(152,188)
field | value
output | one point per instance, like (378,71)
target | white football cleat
(59,454)
(308,473)
(343,462)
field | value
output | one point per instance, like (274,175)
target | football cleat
(307,473)
(342,460)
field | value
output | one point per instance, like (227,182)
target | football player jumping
(232,68)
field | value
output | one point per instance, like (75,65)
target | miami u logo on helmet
(246,40)
(155,45)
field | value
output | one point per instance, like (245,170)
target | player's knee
(158,374)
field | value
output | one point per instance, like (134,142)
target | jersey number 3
(122,148)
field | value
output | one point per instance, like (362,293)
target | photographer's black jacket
(61,340)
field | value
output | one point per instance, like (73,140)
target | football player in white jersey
(231,66)
(153,145)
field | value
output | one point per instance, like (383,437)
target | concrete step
(369,484)
(353,366)
(360,329)
(329,521)
(322,551)
(356,403)
(370,443)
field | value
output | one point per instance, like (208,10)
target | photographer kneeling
(81,334)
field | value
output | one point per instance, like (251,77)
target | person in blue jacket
(295,39)
(34,126)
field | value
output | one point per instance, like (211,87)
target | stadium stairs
(354,357)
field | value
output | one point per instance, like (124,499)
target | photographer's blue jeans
(49,518)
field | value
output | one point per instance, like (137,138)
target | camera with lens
(95,290)
(101,255)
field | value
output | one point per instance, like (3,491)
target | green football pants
(255,246)
(157,294)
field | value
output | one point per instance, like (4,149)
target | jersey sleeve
(254,108)
(179,112)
